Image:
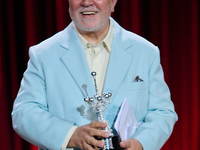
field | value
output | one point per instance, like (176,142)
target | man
(50,111)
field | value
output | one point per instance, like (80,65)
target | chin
(91,26)
(88,28)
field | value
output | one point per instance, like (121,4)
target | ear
(113,3)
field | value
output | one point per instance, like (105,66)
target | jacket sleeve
(30,116)
(160,117)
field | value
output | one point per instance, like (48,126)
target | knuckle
(91,132)
(93,124)
(101,133)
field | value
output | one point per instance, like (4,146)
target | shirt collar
(107,41)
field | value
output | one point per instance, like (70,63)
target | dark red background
(173,25)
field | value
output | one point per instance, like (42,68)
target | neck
(95,37)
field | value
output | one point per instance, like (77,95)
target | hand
(83,136)
(131,144)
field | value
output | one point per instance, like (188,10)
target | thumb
(125,144)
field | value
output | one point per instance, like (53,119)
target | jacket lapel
(75,61)
(119,62)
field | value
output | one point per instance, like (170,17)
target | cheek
(102,4)
(107,7)
(74,5)
(73,11)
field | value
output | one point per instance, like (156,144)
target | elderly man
(50,111)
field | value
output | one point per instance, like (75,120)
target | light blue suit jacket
(51,98)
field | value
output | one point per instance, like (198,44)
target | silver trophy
(99,103)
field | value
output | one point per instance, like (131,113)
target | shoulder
(54,43)
(132,41)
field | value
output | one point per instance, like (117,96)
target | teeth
(89,13)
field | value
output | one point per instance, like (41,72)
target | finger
(122,145)
(98,133)
(88,147)
(95,143)
(97,124)
(97,148)
(125,144)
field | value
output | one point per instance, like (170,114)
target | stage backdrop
(173,25)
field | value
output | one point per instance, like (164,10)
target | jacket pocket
(133,86)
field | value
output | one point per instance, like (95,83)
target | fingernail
(101,144)
(107,134)
(105,124)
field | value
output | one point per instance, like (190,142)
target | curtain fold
(171,25)
(195,72)
(129,15)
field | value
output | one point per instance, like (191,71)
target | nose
(86,3)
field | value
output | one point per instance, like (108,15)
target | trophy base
(112,143)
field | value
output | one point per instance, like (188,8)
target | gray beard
(89,29)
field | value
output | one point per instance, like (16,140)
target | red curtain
(171,25)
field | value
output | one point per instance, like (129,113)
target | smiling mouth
(89,13)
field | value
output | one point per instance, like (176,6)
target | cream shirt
(98,58)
